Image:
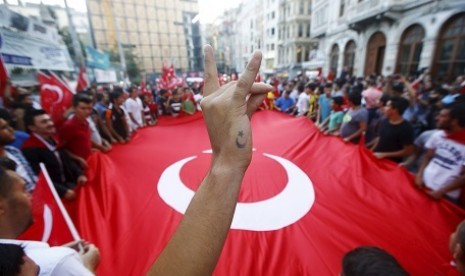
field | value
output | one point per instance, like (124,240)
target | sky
(209,9)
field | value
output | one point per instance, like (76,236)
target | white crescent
(48,223)
(282,210)
(55,88)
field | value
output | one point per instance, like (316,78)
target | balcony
(361,14)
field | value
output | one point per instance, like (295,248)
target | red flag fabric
(82,83)
(3,77)
(305,201)
(55,96)
(51,222)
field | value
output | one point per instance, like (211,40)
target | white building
(294,35)
(279,28)
(249,31)
(270,38)
(391,36)
(42,12)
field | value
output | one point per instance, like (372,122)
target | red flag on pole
(52,223)
(82,83)
(55,96)
(3,77)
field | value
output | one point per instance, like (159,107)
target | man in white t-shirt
(135,109)
(302,101)
(16,217)
(443,169)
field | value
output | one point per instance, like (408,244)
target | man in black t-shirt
(162,102)
(175,103)
(395,140)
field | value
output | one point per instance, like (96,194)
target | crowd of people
(414,122)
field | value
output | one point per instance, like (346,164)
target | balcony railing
(368,8)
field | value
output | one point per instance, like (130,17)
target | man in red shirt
(75,133)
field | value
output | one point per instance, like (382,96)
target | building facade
(59,18)
(279,28)
(294,35)
(270,38)
(158,31)
(391,36)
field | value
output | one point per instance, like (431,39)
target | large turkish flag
(305,201)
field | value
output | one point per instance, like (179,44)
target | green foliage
(66,36)
(17,70)
(132,63)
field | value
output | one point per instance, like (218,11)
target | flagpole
(63,211)
(74,38)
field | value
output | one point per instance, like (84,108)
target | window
(334,59)
(272,47)
(308,29)
(272,31)
(299,54)
(450,53)
(342,8)
(349,56)
(301,30)
(409,52)
(309,7)
(301,7)
(272,15)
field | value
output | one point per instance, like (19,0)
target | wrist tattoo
(240,143)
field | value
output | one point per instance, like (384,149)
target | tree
(132,63)
(66,36)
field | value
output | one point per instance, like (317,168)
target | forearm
(198,241)
(97,146)
(410,160)
(72,155)
(106,131)
(423,165)
(112,131)
(373,144)
(395,154)
(132,119)
(355,134)
(456,184)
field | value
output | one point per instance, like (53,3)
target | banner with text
(22,50)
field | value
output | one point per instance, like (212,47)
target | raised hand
(227,111)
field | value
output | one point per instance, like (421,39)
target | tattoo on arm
(240,142)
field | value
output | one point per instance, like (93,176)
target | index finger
(211,72)
(247,79)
